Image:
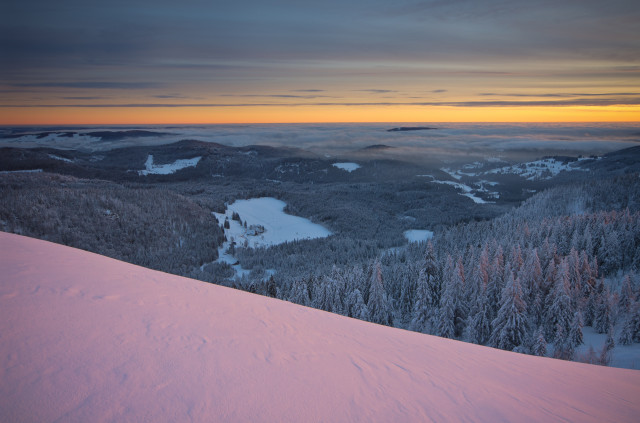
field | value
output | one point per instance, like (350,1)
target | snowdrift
(87,338)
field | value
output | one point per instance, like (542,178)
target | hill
(88,338)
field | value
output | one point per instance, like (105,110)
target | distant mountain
(411,128)
(621,161)
(103,135)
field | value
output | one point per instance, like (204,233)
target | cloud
(376,91)
(308,91)
(528,103)
(94,85)
(84,98)
(561,95)
(169,96)
(276,96)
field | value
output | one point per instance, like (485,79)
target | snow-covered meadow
(418,235)
(263,223)
(347,166)
(166,169)
(87,338)
(271,225)
(539,169)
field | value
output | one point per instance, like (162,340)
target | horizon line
(322,122)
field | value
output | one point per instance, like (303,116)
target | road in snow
(88,338)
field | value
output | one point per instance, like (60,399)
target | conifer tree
(299,293)
(272,289)
(379,305)
(575,332)
(540,344)
(510,326)
(323,295)
(626,295)
(563,349)
(445,326)
(496,281)
(355,306)
(560,313)
(631,326)
(602,315)
(461,310)
(427,293)
(607,350)
(626,335)
(480,328)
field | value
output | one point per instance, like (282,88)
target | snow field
(267,224)
(88,338)
(5,172)
(267,212)
(418,235)
(539,169)
(167,169)
(347,166)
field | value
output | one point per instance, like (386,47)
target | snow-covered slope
(87,338)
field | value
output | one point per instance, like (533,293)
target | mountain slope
(87,338)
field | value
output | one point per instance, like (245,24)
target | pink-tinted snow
(84,338)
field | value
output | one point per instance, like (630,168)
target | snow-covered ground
(625,356)
(348,166)
(169,168)
(88,338)
(467,191)
(4,172)
(539,169)
(64,159)
(277,226)
(266,224)
(418,235)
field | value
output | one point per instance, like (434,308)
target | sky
(256,61)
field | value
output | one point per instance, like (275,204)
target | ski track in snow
(88,338)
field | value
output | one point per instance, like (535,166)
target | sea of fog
(447,140)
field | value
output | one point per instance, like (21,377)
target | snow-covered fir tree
(379,306)
(510,326)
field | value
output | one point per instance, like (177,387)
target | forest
(526,278)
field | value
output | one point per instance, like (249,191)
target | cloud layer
(453,53)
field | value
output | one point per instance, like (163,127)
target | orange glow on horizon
(313,114)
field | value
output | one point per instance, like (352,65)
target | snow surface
(467,191)
(418,235)
(169,168)
(88,338)
(64,159)
(539,169)
(279,227)
(624,356)
(348,166)
(267,225)
(4,172)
